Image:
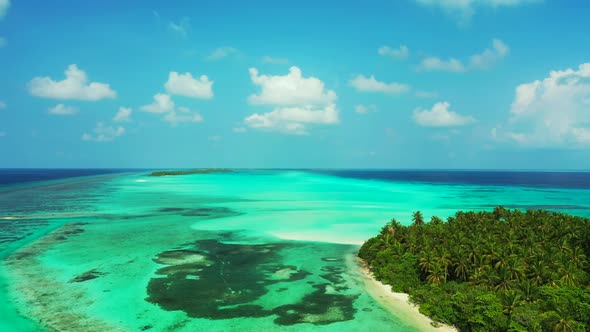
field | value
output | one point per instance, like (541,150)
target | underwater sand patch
(331,259)
(181,257)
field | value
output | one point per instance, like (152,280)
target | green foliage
(504,270)
(417,218)
(192,171)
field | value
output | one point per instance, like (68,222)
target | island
(191,171)
(504,270)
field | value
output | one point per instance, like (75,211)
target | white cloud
(4,5)
(182,28)
(464,9)
(426,94)
(240,129)
(437,64)
(61,109)
(488,57)
(3,134)
(553,112)
(174,115)
(162,104)
(103,133)
(275,61)
(293,120)
(221,53)
(440,116)
(399,53)
(364,109)
(290,89)
(184,116)
(123,115)
(483,60)
(186,85)
(3,105)
(299,102)
(370,84)
(74,86)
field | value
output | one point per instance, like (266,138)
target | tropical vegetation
(190,171)
(505,270)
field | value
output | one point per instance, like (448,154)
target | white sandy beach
(398,303)
(316,236)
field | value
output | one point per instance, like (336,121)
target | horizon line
(302,168)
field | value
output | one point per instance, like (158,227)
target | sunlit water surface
(248,250)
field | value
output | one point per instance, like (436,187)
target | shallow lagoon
(248,250)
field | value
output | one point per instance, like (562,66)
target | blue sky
(347,84)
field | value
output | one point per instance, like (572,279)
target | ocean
(250,250)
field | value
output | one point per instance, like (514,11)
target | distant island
(192,171)
(504,270)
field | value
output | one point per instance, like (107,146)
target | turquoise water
(249,250)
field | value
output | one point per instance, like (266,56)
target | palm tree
(565,322)
(569,274)
(417,218)
(386,240)
(538,271)
(398,249)
(515,267)
(435,220)
(426,263)
(437,275)
(510,300)
(444,261)
(462,266)
(528,290)
(501,280)
(500,212)
(577,256)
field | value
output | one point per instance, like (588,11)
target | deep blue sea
(11,176)
(547,179)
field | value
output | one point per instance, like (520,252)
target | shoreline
(32,303)
(397,303)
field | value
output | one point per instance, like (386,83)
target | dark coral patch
(73,231)
(171,209)
(318,307)
(88,275)
(334,274)
(216,280)
(202,212)
(211,212)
